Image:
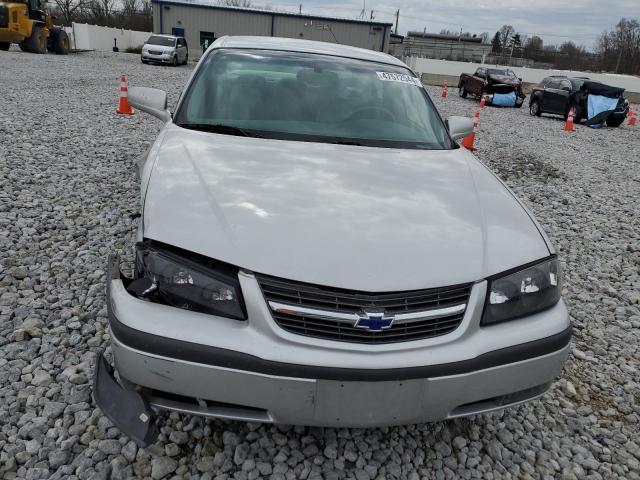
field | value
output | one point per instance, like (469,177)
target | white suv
(316,249)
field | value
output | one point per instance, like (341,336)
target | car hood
(362,218)
(505,80)
(159,48)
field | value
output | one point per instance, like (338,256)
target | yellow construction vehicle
(29,24)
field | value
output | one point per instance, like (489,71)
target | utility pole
(371,17)
(397,19)
(300,10)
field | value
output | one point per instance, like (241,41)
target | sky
(556,21)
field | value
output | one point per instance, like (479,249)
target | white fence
(531,75)
(92,37)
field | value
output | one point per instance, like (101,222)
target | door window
(553,84)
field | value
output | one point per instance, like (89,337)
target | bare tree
(505,33)
(620,47)
(130,7)
(69,9)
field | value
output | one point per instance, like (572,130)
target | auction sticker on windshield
(398,77)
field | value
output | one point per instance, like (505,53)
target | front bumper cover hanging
(127,409)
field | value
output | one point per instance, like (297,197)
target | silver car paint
(308,401)
(341,216)
(363,218)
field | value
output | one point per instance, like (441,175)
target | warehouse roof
(213,4)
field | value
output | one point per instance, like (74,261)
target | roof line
(268,12)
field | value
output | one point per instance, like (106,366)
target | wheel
(186,59)
(534,108)
(4,46)
(37,42)
(614,121)
(175,60)
(146,62)
(462,92)
(60,41)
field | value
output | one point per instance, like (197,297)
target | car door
(552,96)
(562,99)
(476,82)
(182,50)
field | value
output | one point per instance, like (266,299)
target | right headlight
(184,280)
(523,292)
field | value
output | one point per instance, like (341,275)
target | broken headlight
(523,292)
(180,279)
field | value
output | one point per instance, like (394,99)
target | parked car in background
(557,94)
(316,249)
(490,81)
(165,49)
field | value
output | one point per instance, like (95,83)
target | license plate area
(368,403)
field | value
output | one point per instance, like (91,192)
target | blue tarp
(504,99)
(598,105)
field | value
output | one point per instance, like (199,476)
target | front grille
(337,300)
(154,52)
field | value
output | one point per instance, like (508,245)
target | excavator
(29,24)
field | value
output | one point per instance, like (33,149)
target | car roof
(305,46)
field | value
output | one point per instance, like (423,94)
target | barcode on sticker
(398,77)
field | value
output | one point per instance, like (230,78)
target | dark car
(489,81)
(557,94)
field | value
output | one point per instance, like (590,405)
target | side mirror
(566,89)
(460,127)
(150,100)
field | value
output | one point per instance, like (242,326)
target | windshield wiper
(219,128)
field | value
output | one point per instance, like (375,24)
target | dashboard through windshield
(311,97)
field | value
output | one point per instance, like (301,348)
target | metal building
(444,47)
(202,21)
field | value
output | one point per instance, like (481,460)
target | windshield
(164,41)
(311,97)
(502,73)
(577,83)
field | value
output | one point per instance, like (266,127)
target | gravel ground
(68,197)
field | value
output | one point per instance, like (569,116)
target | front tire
(60,42)
(37,42)
(535,110)
(4,46)
(175,61)
(462,92)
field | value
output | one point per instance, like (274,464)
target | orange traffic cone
(633,118)
(123,106)
(444,90)
(568,125)
(469,141)
(483,101)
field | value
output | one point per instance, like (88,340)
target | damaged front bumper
(122,403)
(127,408)
(218,377)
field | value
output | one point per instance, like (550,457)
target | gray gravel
(68,197)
